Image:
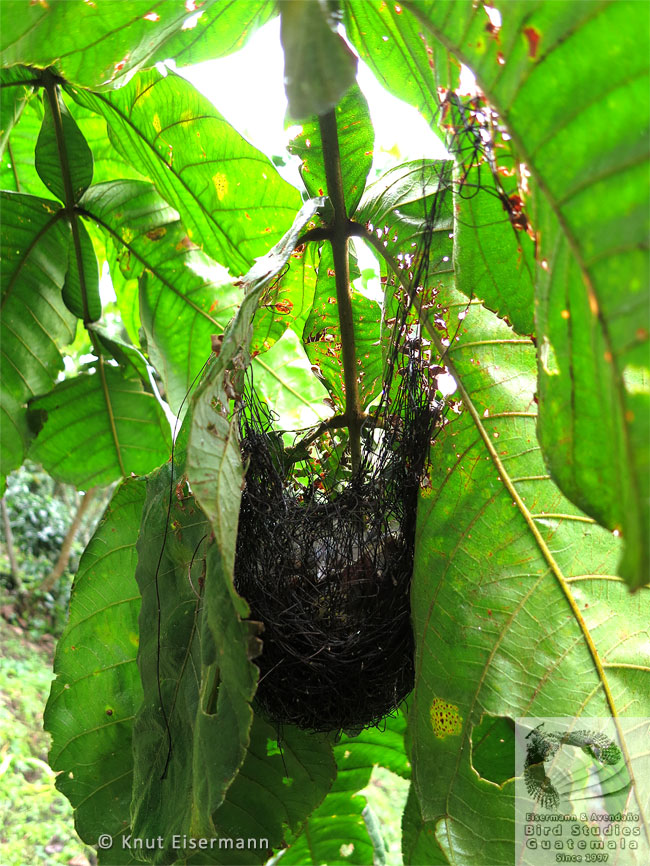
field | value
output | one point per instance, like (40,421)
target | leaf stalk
(339,239)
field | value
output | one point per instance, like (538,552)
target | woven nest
(327,567)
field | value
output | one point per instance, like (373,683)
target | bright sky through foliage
(248,89)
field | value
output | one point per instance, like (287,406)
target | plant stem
(339,241)
(64,556)
(9,544)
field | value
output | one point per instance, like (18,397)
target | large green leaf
(35,323)
(95,694)
(499,547)
(103,45)
(492,259)
(100,427)
(341,829)
(390,40)
(122,36)
(63,159)
(318,65)
(582,150)
(217,30)
(184,296)
(230,197)
(16,87)
(17,170)
(356,141)
(108,163)
(198,765)
(191,731)
(213,458)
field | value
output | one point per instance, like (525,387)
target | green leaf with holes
(35,323)
(322,337)
(231,200)
(403,58)
(587,155)
(499,547)
(99,427)
(401,206)
(356,138)
(418,837)
(287,301)
(196,765)
(94,697)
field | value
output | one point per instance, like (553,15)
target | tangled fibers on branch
(327,569)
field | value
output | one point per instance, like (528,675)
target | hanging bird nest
(325,558)
(327,569)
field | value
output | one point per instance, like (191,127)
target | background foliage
(534,526)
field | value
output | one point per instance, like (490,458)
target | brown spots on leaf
(156,234)
(532,36)
(186,243)
(445,719)
(284,307)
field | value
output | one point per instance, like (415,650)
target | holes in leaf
(493,748)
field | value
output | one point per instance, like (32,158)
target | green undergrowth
(36,823)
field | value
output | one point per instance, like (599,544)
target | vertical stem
(9,544)
(339,241)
